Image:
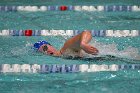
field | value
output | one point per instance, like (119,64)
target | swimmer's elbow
(82,44)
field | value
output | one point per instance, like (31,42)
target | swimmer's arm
(66,46)
(58,53)
(62,50)
(82,39)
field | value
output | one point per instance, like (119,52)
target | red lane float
(28,32)
(63,8)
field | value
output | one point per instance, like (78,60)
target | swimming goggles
(45,48)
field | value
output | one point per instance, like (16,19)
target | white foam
(18,51)
(130,52)
(111,49)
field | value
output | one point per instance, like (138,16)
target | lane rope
(107,8)
(98,33)
(55,68)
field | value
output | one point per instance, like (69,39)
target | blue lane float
(17,33)
(130,67)
(8,8)
(117,8)
(76,32)
(36,33)
(59,68)
(98,33)
(71,8)
(53,8)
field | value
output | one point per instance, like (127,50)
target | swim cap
(38,44)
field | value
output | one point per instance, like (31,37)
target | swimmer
(74,45)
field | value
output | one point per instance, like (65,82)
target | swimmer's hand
(89,49)
(57,53)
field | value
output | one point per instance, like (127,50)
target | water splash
(111,49)
(29,44)
(17,51)
(22,50)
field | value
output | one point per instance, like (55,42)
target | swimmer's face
(47,49)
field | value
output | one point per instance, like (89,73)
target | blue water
(16,50)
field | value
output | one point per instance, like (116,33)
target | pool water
(17,49)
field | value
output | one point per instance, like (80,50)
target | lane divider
(98,33)
(55,68)
(107,8)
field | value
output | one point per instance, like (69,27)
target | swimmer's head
(45,47)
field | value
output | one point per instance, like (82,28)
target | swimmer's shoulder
(71,52)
